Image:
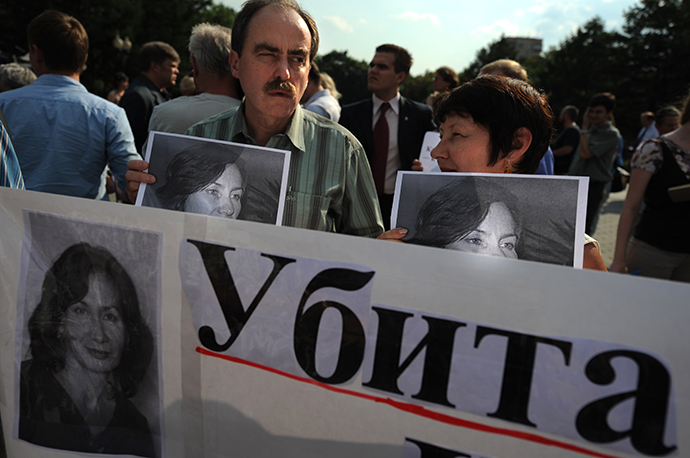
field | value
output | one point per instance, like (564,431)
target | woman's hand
(135,176)
(394,235)
(618,267)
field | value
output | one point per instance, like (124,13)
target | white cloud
(340,23)
(419,17)
(497,28)
(519,13)
(537,9)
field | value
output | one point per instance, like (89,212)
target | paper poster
(88,338)
(215,178)
(275,341)
(533,217)
(431,139)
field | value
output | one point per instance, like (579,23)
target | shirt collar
(606,127)
(394,103)
(52,79)
(294,130)
(317,95)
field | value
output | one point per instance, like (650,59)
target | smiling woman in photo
(90,349)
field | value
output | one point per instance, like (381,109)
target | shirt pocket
(308,211)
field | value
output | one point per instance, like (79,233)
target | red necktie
(378,163)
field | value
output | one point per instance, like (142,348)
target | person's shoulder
(225,116)
(15,93)
(415,106)
(328,127)
(610,129)
(134,417)
(170,105)
(356,106)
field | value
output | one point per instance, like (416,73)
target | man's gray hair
(14,76)
(210,46)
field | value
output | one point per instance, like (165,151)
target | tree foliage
(643,65)
(588,62)
(500,49)
(349,75)
(418,88)
(142,21)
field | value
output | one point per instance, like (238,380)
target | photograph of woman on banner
(90,349)
(495,124)
(206,179)
(215,178)
(473,215)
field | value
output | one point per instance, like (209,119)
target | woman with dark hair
(445,79)
(121,82)
(659,247)
(495,125)
(473,215)
(90,350)
(206,179)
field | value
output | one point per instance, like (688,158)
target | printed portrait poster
(87,363)
(429,164)
(532,217)
(215,178)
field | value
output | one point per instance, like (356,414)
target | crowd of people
(258,84)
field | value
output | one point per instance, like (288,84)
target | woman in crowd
(206,179)
(121,84)
(445,80)
(660,247)
(495,125)
(473,215)
(90,350)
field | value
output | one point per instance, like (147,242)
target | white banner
(273,340)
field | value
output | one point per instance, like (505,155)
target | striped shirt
(10,173)
(330,186)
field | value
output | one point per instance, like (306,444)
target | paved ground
(608,225)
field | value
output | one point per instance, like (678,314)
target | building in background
(525,47)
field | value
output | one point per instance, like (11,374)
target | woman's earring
(507,169)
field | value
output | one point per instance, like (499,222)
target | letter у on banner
(305,317)
(595,392)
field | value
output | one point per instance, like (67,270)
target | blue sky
(449,32)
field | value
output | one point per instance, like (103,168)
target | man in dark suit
(158,64)
(392,141)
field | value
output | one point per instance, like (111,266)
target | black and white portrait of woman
(87,381)
(473,216)
(509,216)
(214,178)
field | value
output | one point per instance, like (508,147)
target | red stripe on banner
(417,410)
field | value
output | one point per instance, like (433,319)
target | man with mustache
(330,187)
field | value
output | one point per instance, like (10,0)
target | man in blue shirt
(64,136)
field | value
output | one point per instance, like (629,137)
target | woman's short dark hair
(449,76)
(502,106)
(120,77)
(193,169)
(458,208)
(66,283)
